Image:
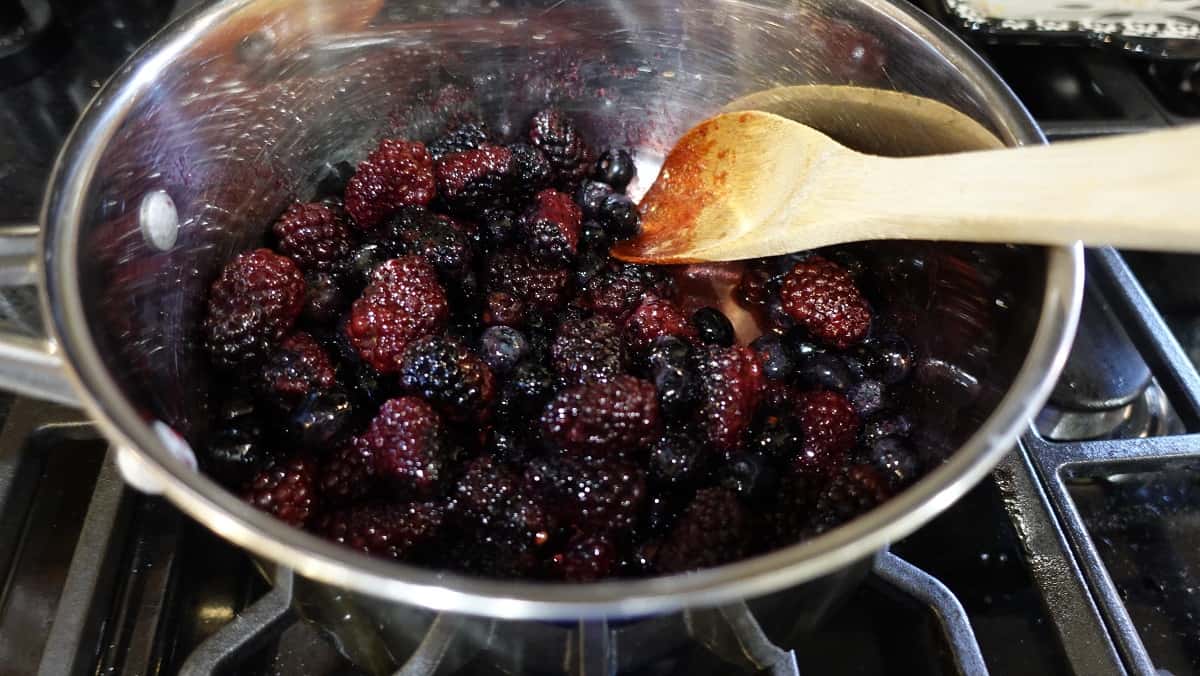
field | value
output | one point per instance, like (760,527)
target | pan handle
(29,365)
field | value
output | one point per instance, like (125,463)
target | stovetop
(1079,555)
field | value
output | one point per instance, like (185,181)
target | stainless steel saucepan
(185,157)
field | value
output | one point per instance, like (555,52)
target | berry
(595,241)
(884,425)
(466,136)
(590,197)
(297,367)
(600,495)
(587,351)
(403,302)
(251,306)
(397,173)
(678,390)
(238,448)
(499,227)
(541,287)
(325,298)
(752,478)
(853,491)
(551,227)
(776,358)
(493,496)
(889,359)
(713,530)
(587,557)
(286,490)
(867,397)
(754,288)
(394,531)
(552,132)
(824,371)
(896,459)
(500,308)
(822,297)
(475,179)
(314,235)
(446,374)
(530,170)
(668,351)
(792,516)
(510,446)
(502,348)
(619,216)
(525,392)
(778,439)
(405,443)
(713,327)
(616,291)
(677,459)
(615,167)
(611,417)
(348,475)
(652,319)
(830,430)
(732,382)
(367,256)
(434,237)
(319,418)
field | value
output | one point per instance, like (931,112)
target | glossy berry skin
(821,370)
(713,327)
(822,297)
(776,358)
(319,418)
(326,297)
(494,499)
(668,351)
(406,444)
(853,491)
(437,238)
(447,375)
(615,167)
(752,477)
(713,530)
(619,216)
(314,235)
(885,424)
(525,392)
(391,531)
(539,286)
(779,439)
(587,558)
(732,382)
(403,302)
(555,134)
(599,494)
(472,180)
(551,227)
(466,136)
(867,397)
(889,359)
(286,490)
(607,418)
(297,367)
(397,173)
(678,390)
(502,348)
(652,319)
(830,431)
(678,458)
(347,476)
(251,306)
(895,459)
(587,351)
(590,197)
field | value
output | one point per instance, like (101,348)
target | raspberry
(541,287)
(822,297)
(403,302)
(587,557)
(251,306)
(466,136)
(286,490)
(732,381)
(552,132)
(652,319)
(605,495)
(394,531)
(852,491)
(611,417)
(447,374)
(830,430)
(397,173)
(296,368)
(616,291)
(493,496)
(405,443)
(713,530)
(551,227)
(474,179)
(347,475)
(434,237)
(314,235)
(587,351)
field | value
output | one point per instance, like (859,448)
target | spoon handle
(1138,191)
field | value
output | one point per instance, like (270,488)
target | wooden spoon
(751,184)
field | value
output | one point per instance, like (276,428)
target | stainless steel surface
(232,134)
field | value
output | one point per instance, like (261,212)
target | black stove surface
(99,579)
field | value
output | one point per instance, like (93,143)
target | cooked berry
(475,179)
(394,531)
(752,477)
(885,425)
(365,258)
(466,136)
(823,371)
(853,491)
(333,179)
(314,235)
(617,290)
(319,418)
(619,216)
(239,447)
(588,557)
(514,447)
(713,327)
(525,392)
(492,495)
(347,475)
(896,459)
(326,297)
(502,347)
(503,309)
(397,173)
(540,286)
(593,240)
(590,197)
(588,351)
(754,288)
(553,132)
(678,390)
(447,374)
(830,430)
(498,227)
(403,302)
(888,359)
(286,490)
(732,382)
(791,520)
(678,458)
(530,170)
(713,530)
(297,367)
(551,227)
(405,443)
(779,438)
(668,351)
(867,397)
(603,418)
(822,297)
(600,494)
(776,358)
(434,237)
(251,306)
(652,319)
(615,167)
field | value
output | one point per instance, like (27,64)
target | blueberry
(883,425)
(888,359)
(619,216)
(713,327)
(752,477)
(615,167)
(326,297)
(895,458)
(364,259)
(778,439)
(799,345)
(676,459)
(821,370)
(319,418)
(678,390)
(502,347)
(777,317)
(235,454)
(590,197)
(867,397)
(668,351)
(589,266)
(776,358)
(594,236)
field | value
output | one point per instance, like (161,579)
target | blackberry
(530,171)
(895,459)
(502,348)
(397,173)
(539,286)
(447,374)
(732,382)
(588,351)
(821,296)
(605,495)
(286,490)
(603,418)
(615,167)
(616,291)
(502,309)
(587,557)
(525,392)
(885,424)
(713,327)
(492,496)
(405,443)
(551,227)
(867,397)
(830,431)
(499,227)
(251,306)
(394,531)
(297,367)
(677,459)
(434,237)
(466,136)
(475,179)
(554,133)
(713,530)
(403,302)
(314,235)
(652,319)
(347,476)
(511,447)
(853,491)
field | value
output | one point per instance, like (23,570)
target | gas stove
(1080,554)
